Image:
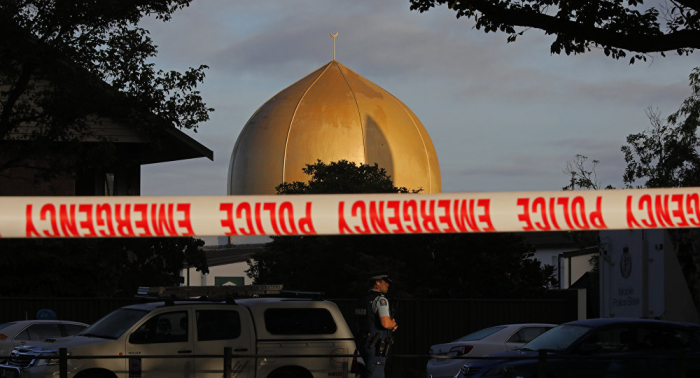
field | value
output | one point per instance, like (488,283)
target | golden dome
(332,114)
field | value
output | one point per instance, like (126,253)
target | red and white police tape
(348,214)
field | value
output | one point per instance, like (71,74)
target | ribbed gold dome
(332,114)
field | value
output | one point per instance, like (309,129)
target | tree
(667,154)
(97,267)
(342,177)
(70,60)
(437,266)
(616,26)
(582,177)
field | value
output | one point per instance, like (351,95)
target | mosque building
(332,114)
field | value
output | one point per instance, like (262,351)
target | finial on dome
(334,35)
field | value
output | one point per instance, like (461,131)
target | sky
(503,116)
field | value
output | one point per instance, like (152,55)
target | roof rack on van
(315,295)
(207,292)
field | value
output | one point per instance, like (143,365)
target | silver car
(13,334)
(480,343)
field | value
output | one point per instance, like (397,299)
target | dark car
(600,348)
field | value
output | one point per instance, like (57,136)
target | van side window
(169,327)
(299,321)
(218,325)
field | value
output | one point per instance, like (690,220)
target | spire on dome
(334,35)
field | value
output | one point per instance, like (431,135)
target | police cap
(377,275)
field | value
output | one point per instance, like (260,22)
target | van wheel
(290,372)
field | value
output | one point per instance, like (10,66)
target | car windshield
(557,338)
(5,325)
(478,335)
(115,324)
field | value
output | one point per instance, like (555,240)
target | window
(480,334)
(299,321)
(612,340)
(72,329)
(109,184)
(39,332)
(218,325)
(115,324)
(170,327)
(662,339)
(527,334)
(558,338)
(621,339)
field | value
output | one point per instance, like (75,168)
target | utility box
(640,277)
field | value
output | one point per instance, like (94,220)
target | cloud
(195,177)
(385,41)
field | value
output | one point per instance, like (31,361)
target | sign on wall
(632,273)
(228,281)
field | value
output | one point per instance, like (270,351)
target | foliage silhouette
(98,267)
(71,64)
(615,26)
(485,265)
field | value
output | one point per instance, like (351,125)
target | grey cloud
(585,144)
(184,178)
(639,93)
(522,167)
(382,42)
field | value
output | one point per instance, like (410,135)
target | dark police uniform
(372,338)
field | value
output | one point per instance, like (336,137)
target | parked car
(13,334)
(600,348)
(486,341)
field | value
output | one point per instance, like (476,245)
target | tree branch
(627,40)
(692,4)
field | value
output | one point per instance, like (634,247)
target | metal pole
(63,362)
(227,362)
(681,364)
(542,364)
(645,275)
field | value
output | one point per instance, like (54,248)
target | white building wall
(230,270)
(573,268)
(566,269)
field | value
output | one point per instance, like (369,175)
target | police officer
(374,325)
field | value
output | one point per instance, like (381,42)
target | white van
(272,331)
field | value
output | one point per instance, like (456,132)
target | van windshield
(115,324)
